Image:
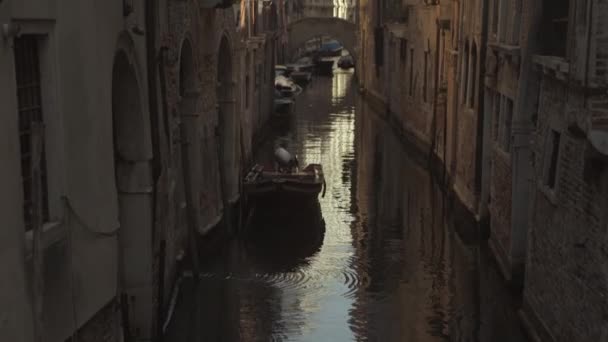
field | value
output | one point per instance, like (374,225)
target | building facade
(566,279)
(125,139)
(507,99)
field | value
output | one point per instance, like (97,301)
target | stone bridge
(303,30)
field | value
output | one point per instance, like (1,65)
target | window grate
(29,100)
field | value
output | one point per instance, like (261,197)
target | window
(496,110)
(503,19)
(516,25)
(506,114)
(379,46)
(550,176)
(425,77)
(555,27)
(473,76)
(29,99)
(465,72)
(495,6)
(411,72)
(403,51)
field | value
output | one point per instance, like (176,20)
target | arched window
(473,75)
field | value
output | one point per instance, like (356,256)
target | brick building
(509,97)
(565,272)
(125,138)
(423,62)
(506,160)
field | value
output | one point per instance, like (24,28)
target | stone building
(422,61)
(125,140)
(565,103)
(509,98)
(505,159)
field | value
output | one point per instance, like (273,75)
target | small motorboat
(286,87)
(301,78)
(346,62)
(331,48)
(305,64)
(285,178)
(325,65)
(280,70)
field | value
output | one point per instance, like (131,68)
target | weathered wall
(566,282)
(79,156)
(102,238)
(16,309)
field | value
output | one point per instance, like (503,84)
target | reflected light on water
(377,259)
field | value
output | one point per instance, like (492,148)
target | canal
(379,259)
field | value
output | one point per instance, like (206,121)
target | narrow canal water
(378,260)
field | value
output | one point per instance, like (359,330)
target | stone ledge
(554,66)
(508,51)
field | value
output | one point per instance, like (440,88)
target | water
(377,260)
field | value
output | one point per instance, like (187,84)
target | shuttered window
(27,72)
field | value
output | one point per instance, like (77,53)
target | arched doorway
(134,184)
(229,129)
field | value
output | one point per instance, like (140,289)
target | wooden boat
(301,78)
(286,87)
(331,48)
(263,181)
(325,65)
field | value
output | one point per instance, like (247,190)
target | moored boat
(286,87)
(263,181)
(331,48)
(346,62)
(325,65)
(301,78)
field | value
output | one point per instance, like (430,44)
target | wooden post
(37,150)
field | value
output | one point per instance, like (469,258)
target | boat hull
(306,184)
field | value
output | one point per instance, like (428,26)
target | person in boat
(285,162)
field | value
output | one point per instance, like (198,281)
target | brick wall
(500,203)
(566,284)
(600,35)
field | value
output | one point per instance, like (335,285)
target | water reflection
(377,259)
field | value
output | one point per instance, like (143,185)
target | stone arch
(229,127)
(303,30)
(134,182)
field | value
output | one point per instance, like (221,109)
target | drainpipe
(151,61)
(521,151)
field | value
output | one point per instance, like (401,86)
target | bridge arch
(303,30)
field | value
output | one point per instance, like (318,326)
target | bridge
(303,30)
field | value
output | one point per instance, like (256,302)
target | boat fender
(283,157)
